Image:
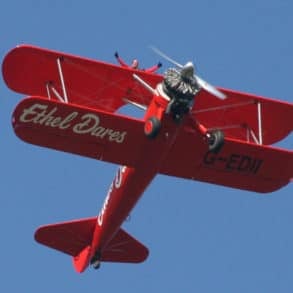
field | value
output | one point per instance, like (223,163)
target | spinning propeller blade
(186,69)
(209,88)
(160,53)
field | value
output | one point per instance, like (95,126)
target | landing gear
(96,261)
(215,140)
(96,265)
(152,127)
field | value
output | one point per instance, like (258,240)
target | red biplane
(188,131)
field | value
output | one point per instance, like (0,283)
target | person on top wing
(135,64)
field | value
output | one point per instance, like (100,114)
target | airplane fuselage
(129,182)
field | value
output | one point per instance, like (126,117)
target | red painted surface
(103,86)
(87,126)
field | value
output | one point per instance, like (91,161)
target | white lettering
(91,125)
(104,207)
(87,124)
(116,184)
(119,176)
(32,114)
(39,114)
(65,123)
(90,122)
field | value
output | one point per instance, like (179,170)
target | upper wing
(244,116)
(79,130)
(239,164)
(35,71)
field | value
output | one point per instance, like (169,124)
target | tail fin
(75,238)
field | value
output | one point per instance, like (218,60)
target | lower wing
(121,140)
(239,164)
(66,127)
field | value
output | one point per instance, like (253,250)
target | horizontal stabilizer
(124,248)
(75,238)
(69,237)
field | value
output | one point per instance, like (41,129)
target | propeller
(187,70)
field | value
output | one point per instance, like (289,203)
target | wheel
(152,127)
(215,140)
(96,261)
(96,265)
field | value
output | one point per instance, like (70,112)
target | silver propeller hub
(187,70)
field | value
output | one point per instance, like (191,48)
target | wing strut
(62,80)
(50,85)
(259,122)
(144,84)
(257,135)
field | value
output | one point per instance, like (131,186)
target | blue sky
(202,238)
